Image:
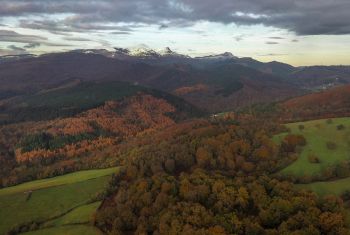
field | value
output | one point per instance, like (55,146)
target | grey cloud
(6,52)
(271,43)
(32,45)
(163,26)
(304,17)
(31,40)
(276,38)
(58,44)
(121,33)
(69,25)
(16,49)
(76,39)
(240,37)
(13,50)
(12,36)
(273,54)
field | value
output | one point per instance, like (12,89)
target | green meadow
(336,187)
(67,230)
(318,134)
(57,181)
(56,202)
(80,215)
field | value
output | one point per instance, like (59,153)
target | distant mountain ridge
(310,77)
(216,83)
(225,85)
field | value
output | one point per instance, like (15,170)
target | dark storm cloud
(303,17)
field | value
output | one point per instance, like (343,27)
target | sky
(298,32)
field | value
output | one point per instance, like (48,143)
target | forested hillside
(101,115)
(213,179)
(185,166)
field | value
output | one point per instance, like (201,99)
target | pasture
(60,201)
(327,140)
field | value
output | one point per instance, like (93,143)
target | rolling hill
(25,207)
(77,97)
(233,86)
(317,155)
(334,102)
(61,127)
(320,77)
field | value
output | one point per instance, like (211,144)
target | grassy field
(56,181)
(80,215)
(43,200)
(317,134)
(67,230)
(337,187)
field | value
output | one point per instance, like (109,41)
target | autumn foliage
(44,145)
(325,104)
(210,178)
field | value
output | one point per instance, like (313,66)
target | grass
(67,230)
(51,198)
(317,133)
(57,181)
(80,215)
(337,187)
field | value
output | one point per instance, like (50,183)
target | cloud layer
(304,17)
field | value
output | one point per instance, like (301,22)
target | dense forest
(213,178)
(32,150)
(174,117)
(181,171)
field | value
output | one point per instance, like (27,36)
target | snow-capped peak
(119,50)
(223,56)
(143,51)
(167,51)
(229,54)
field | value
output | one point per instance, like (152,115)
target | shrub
(290,142)
(313,159)
(346,195)
(331,145)
(340,127)
(301,127)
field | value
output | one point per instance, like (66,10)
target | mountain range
(215,83)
